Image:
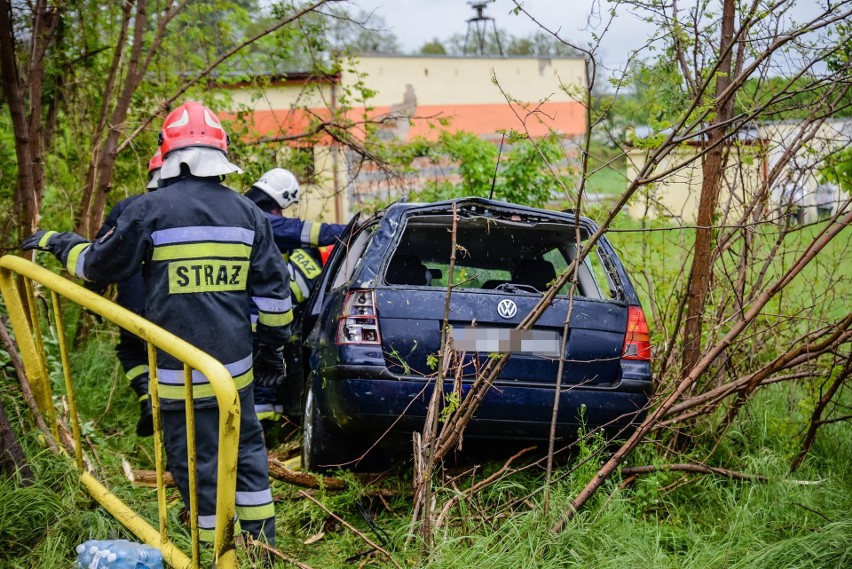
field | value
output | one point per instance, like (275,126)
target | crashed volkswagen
(372,329)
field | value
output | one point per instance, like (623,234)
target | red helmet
(156,161)
(192,124)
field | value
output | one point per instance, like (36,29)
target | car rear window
(496,254)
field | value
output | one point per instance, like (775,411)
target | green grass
(801,520)
(658,262)
(794,520)
(608,172)
(609,181)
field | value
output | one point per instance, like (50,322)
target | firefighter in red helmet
(207,252)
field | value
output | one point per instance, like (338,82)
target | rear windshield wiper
(517,287)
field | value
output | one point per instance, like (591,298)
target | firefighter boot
(145,425)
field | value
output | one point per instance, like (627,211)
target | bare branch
(458,497)
(277,553)
(819,409)
(164,105)
(819,243)
(351,528)
(696,468)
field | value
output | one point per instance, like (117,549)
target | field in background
(657,254)
(608,173)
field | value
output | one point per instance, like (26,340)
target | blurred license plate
(507,340)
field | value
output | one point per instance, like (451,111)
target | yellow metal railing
(17,276)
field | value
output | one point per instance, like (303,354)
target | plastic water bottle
(118,554)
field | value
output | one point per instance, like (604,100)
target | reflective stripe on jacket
(291,232)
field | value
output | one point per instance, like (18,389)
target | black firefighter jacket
(205,252)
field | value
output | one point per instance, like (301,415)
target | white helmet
(280,185)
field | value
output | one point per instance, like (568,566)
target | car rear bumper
(368,399)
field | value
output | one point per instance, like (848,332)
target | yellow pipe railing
(23,312)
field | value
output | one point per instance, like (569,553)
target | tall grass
(665,519)
(801,520)
(41,524)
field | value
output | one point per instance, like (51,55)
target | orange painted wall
(485,120)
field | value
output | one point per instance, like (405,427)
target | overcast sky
(416,22)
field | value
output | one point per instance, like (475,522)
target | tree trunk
(108,150)
(713,168)
(12,457)
(25,200)
(100,126)
(45,18)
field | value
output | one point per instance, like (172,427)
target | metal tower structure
(477,29)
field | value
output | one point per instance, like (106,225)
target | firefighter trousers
(255,510)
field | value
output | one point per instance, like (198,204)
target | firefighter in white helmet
(297,239)
(274,192)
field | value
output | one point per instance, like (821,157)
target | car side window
(593,278)
(601,275)
(407,270)
(352,260)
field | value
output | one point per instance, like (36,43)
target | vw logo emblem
(507,308)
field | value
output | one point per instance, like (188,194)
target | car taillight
(637,340)
(358,323)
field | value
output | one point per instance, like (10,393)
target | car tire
(325,448)
(319,446)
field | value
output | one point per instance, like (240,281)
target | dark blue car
(372,329)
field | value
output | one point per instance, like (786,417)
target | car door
(315,302)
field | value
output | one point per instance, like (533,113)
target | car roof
(483,206)
(479,213)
